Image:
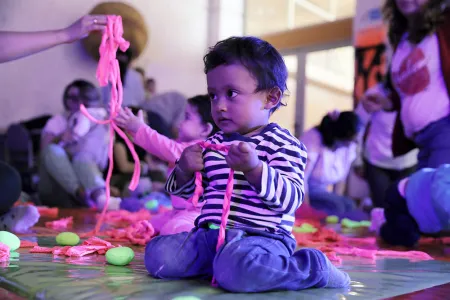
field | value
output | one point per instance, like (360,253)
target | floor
(43,276)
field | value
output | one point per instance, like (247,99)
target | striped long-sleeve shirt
(270,208)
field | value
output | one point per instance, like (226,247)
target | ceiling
(269,16)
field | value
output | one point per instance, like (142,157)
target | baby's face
(235,104)
(73,99)
(192,127)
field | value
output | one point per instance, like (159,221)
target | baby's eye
(212,96)
(231,94)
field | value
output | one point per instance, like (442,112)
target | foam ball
(67,239)
(120,256)
(152,204)
(332,219)
(365,223)
(186,298)
(10,240)
(305,228)
(349,223)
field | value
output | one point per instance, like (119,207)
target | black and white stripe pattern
(272,208)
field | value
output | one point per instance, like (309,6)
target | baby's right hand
(191,160)
(128,121)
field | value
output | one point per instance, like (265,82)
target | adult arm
(15,45)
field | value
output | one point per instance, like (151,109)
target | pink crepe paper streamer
(108,71)
(138,234)
(227,199)
(63,223)
(123,218)
(372,254)
(27,244)
(4,253)
(92,245)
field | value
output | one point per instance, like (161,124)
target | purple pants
(434,144)
(249,261)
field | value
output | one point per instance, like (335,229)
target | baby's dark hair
(344,128)
(203,105)
(88,92)
(433,14)
(259,57)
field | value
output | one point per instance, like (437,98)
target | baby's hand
(191,160)
(128,121)
(242,157)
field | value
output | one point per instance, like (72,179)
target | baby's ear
(207,129)
(273,98)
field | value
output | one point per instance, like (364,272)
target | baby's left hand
(242,157)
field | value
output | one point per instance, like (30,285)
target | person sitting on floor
(72,163)
(246,80)
(331,152)
(418,204)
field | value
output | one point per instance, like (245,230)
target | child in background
(331,151)
(246,81)
(87,142)
(417,204)
(196,126)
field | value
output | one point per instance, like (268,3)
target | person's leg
(91,179)
(58,166)
(399,175)
(51,193)
(400,228)
(265,262)
(19,218)
(434,144)
(330,203)
(379,181)
(182,255)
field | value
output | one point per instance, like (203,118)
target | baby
(246,80)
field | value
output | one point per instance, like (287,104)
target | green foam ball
(152,204)
(67,239)
(120,256)
(332,219)
(349,223)
(10,240)
(305,228)
(365,223)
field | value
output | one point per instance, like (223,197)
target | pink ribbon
(227,198)
(108,71)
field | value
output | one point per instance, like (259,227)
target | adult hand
(81,28)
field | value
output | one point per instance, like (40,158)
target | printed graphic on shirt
(413,75)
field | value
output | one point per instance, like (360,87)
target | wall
(33,85)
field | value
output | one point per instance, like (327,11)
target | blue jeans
(434,144)
(249,261)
